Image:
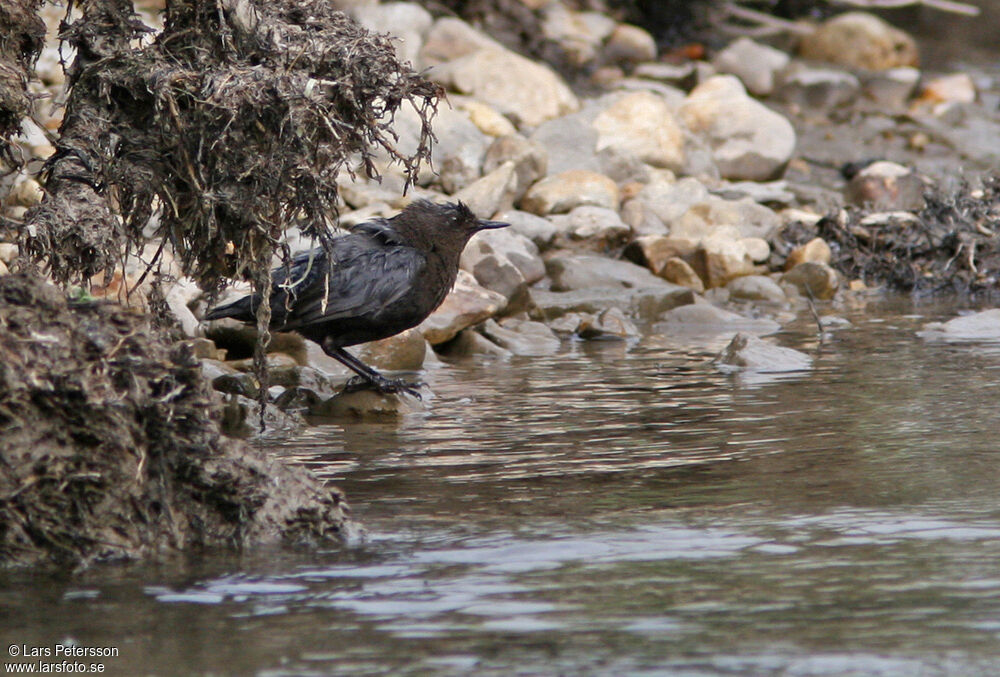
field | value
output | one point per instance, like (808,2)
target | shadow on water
(612,509)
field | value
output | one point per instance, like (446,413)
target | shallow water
(612,509)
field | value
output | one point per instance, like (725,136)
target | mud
(111,444)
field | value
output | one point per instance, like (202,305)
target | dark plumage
(384,277)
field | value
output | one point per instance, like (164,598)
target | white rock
(747,351)
(860,40)
(493,193)
(407,22)
(527,92)
(756,65)
(748,140)
(451,38)
(537,229)
(981,326)
(564,192)
(642,124)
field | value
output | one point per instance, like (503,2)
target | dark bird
(385,276)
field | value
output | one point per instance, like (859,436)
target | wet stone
(365,405)
(522,337)
(749,352)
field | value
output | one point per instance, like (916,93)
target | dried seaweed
(22,34)
(112,448)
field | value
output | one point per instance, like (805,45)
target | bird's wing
(381,231)
(361,282)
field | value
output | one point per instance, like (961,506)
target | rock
(407,22)
(679,271)
(489,121)
(608,324)
(639,302)
(365,405)
(756,288)
(494,192)
(205,349)
(860,40)
(565,191)
(495,272)
(451,38)
(540,231)
(953,88)
(653,251)
(891,89)
(683,76)
(570,142)
(705,318)
(530,160)
(816,250)
(237,384)
(818,88)
(747,351)
(471,342)
(812,277)
(297,400)
(629,45)
(596,227)
(468,303)
(527,92)
(457,156)
(522,337)
(886,186)
(722,256)
(25,193)
(514,247)
(769,192)
(641,218)
(748,140)
(403,352)
(981,326)
(575,271)
(756,65)
(642,124)
(578,34)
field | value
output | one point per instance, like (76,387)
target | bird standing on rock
(384,277)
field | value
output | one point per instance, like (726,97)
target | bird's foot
(383,385)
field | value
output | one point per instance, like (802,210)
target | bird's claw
(384,386)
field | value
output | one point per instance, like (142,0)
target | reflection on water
(613,509)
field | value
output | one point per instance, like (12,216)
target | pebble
(860,40)
(812,277)
(747,351)
(643,125)
(757,66)
(567,190)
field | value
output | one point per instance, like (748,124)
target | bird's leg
(380,382)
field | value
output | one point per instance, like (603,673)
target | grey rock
(522,337)
(860,40)
(570,141)
(570,271)
(530,159)
(812,277)
(641,124)
(705,318)
(451,38)
(516,248)
(471,342)
(365,405)
(539,230)
(560,193)
(750,352)
(756,288)
(639,302)
(887,186)
(468,303)
(407,22)
(756,65)
(611,323)
(818,88)
(981,326)
(495,192)
(629,45)
(749,141)
(601,227)
(891,89)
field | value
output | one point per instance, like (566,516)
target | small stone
(8,251)
(705,318)
(530,160)
(645,302)
(683,76)
(403,352)
(570,271)
(471,342)
(756,288)
(679,271)
(487,118)
(26,193)
(578,34)
(860,40)
(204,348)
(608,324)
(886,186)
(720,257)
(468,303)
(492,193)
(628,45)
(540,231)
(525,91)
(595,228)
(407,22)
(953,88)
(748,140)
(891,88)
(451,38)
(522,337)
(365,405)
(747,351)
(818,88)
(816,250)
(755,64)
(653,251)
(516,248)
(984,325)
(642,124)
(812,277)
(565,191)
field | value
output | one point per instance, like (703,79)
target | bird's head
(443,227)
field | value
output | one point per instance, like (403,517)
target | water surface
(612,509)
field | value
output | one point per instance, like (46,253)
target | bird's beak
(489,225)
